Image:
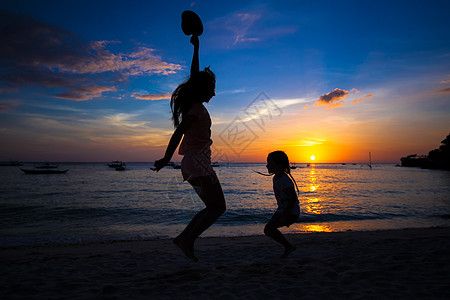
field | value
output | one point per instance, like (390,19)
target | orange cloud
(334,105)
(331,99)
(362,99)
(152,96)
(447,90)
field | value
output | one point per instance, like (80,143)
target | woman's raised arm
(195,66)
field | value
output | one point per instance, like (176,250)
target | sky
(90,81)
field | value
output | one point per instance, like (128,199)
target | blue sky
(90,80)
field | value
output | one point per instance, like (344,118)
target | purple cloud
(331,100)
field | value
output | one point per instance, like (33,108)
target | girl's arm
(195,66)
(292,198)
(174,141)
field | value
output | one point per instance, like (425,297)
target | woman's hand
(159,164)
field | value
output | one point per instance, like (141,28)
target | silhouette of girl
(287,200)
(191,119)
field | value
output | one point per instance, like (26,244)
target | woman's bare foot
(187,248)
(288,251)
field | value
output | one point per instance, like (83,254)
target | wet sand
(391,264)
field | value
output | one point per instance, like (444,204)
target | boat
(116,163)
(44,171)
(370,161)
(46,165)
(120,167)
(11,163)
(293,166)
(215,164)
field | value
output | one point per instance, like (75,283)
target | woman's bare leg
(210,191)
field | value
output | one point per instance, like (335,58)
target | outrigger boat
(46,165)
(44,171)
(44,168)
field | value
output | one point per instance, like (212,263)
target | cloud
(85,93)
(447,90)
(240,24)
(33,53)
(331,100)
(248,27)
(266,108)
(152,96)
(362,99)
(308,142)
(7,106)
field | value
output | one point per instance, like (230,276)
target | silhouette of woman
(191,120)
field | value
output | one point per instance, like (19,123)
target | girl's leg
(271,230)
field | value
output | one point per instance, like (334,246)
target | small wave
(257,216)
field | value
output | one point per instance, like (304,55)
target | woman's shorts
(197,163)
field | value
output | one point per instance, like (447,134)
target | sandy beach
(392,264)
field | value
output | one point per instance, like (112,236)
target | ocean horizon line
(221,162)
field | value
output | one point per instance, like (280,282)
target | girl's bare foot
(288,251)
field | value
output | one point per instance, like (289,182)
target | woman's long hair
(190,92)
(281,158)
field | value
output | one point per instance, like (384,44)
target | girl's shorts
(291,219)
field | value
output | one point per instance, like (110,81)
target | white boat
(116,163)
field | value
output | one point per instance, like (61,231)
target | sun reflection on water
(313,186)
(317,228)
(312,205)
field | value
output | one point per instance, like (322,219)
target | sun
(313,157)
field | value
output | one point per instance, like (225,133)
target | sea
(95,203)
